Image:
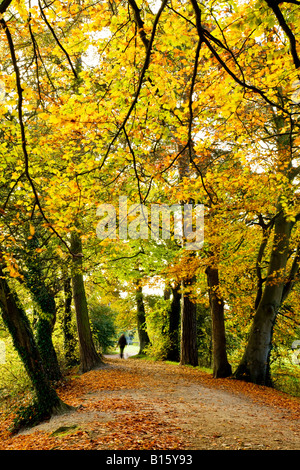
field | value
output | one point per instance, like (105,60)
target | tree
(45,301)
(275,288)
(221,366)
(89,358)
(254,364)
(14,317)
(69,337)
(188,348)
(141,318)
(173,351)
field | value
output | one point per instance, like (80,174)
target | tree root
(35,413)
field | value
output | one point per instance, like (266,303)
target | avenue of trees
(173,102)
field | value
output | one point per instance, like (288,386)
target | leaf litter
(140,405)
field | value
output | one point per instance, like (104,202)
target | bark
(173,353)
(141,319)
(15,319)
(189,350)
(254,365)
(221,366)
(266,233)
(45,299)
(45,324)
(47,350)
(89,358)
(69,339)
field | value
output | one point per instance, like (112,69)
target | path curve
(210,416)
(181,407)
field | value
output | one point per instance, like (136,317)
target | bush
(103,326)
(287,379)
(13,376)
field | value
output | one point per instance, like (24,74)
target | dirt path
(179,407)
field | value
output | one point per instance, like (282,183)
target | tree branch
(139,87)
(57,40)
(252,88)
(206,37)
(277,12)
(291,279)
(139,23)
(22,128)
(4,5)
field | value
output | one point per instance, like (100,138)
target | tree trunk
(89,358)
(254,365)
(189,350)
(46,348)
(221,366)
(69,339)
(173,353)
(141,319)
(15,319)
(45,326)
(47,314)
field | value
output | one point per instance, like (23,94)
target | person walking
(122,343)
